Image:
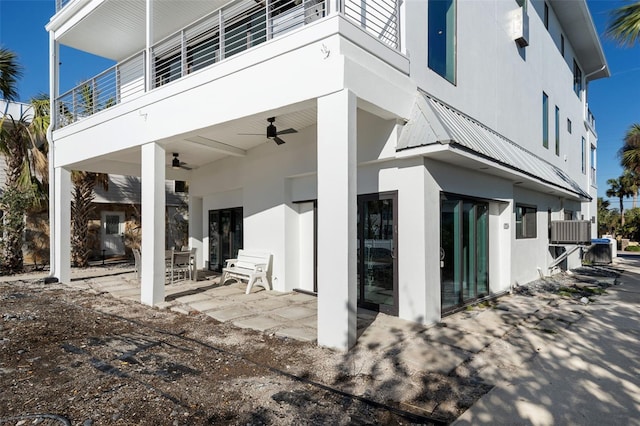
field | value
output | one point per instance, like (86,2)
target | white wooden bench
(250,266)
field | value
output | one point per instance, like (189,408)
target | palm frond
(624,26)
(10,72)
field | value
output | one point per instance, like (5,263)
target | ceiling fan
(273,133)
(177,164)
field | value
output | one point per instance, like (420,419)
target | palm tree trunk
(15,205)
(81,209)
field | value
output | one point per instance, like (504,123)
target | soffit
(433,122)
(577,24)
(115,29)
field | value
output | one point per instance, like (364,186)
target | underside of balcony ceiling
(115,29)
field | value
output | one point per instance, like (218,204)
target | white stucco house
(402,156)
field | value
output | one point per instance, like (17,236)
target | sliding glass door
(464,247)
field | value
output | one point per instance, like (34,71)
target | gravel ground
(77,357)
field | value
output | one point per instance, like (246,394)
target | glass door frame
(234,213)
(379,196)
(445,196)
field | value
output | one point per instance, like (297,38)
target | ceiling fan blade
(278,140)
(287,131)
(184,166)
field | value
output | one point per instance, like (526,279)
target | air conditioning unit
(519,25)
(570,232)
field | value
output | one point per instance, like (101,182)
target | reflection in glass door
(225,236)
(377,260)
(464,249)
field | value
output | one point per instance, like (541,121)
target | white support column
(54,70)
(61,253)
(153,224)
(337,221)
(195,229)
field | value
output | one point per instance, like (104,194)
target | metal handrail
(244,24)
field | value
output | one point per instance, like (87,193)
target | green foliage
(624,26)
(632,248)
(608,219)
(15,204)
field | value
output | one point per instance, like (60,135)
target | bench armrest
(261,267)
(230,262)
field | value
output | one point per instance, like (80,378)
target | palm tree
(620,189)
(23,144)
(81,208)
(624,26)
(83,195)
(630,151)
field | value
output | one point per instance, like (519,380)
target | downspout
(586,77)
(53,118)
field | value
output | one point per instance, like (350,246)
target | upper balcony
(220,34)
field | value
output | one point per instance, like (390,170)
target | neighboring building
(115,228)
(115,224)
(432,142)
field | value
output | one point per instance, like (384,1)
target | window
(557,130)
(546,16)
(525,221)
(442,38)
(569,126)
(584,155)
(545,120)
(593,165)
(179,186)
(562,45)
(577,78)
(568,215)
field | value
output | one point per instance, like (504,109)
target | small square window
(526,222)
(179,186)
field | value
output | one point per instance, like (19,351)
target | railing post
(94,96)
(183,53)
(267,20)
(73,105)
(118,83)
(397,12)
(222,31)
(149,43)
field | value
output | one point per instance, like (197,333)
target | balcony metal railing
(591,119)
(120,82)
(244,24)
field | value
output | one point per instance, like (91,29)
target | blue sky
(615,101)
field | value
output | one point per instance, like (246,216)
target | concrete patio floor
(292,315)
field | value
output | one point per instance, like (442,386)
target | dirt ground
(73,357)
(81,357)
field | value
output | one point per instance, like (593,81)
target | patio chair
(180,265)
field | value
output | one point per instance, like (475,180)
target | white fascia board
(70,15)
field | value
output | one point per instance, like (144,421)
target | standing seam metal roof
(432,121)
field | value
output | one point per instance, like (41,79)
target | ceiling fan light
(272,132)
(175,164)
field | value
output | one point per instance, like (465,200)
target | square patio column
(337,211)
(153,224)
(61,230)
